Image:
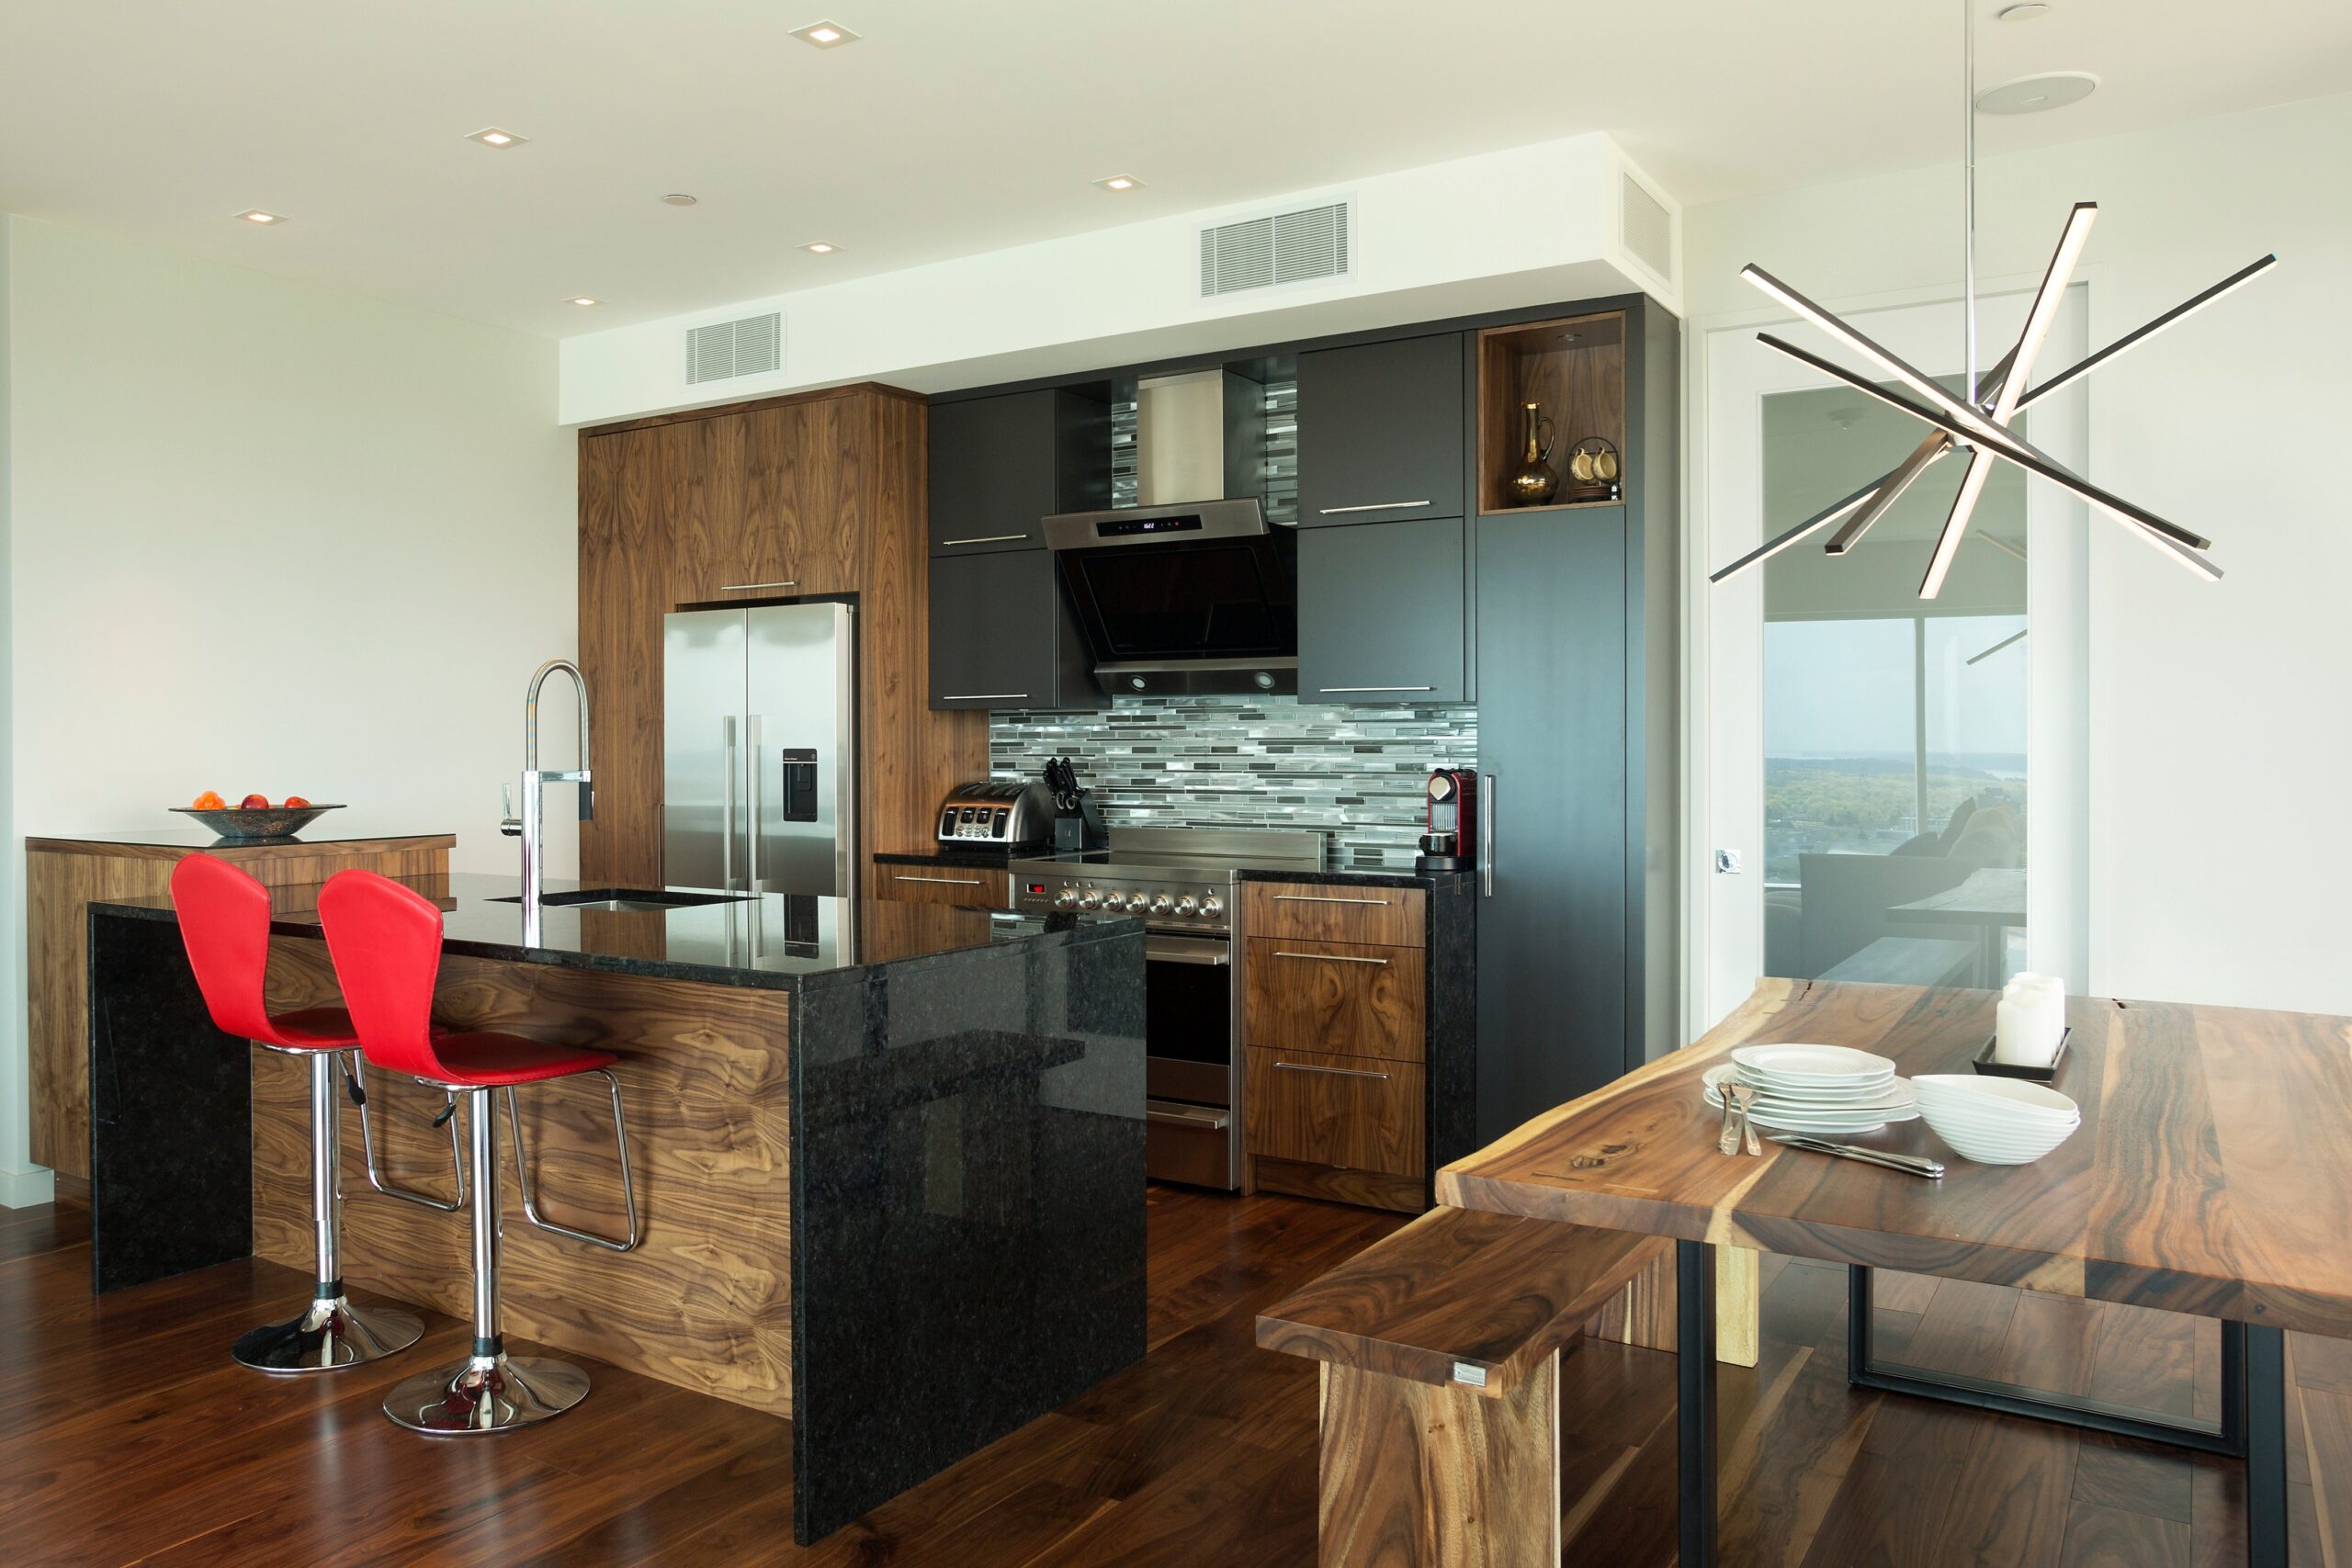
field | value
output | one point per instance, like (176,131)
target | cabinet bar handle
(1486,838)
(1331,958)
(1323,898)
(1331,689)
(984,540)
(1334,1072)
(1370,506)
(985,696)
(738,587)
(954,881)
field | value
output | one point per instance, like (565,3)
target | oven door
(1193,1125)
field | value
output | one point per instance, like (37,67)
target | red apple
(254,803)
(296,802)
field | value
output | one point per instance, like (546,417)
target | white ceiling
(960,126)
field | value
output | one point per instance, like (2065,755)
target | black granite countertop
(334,828)
(779,941)
(1371,876)
(982,857)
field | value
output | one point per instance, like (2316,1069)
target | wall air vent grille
(1648,229)
(750,346)
(1283,247)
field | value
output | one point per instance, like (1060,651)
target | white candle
(2030,1021)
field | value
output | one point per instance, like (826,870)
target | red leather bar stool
(386,942)
(224,921)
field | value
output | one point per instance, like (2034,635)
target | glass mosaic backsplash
(1357,772)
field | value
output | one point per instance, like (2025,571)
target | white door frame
(1722,692)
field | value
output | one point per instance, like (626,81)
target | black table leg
(1694,1274)
(2266,1446)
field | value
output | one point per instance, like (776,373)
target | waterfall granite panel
(171,1113)
(1359,771)
(967,1146)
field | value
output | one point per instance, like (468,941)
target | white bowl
(1992,1141)
(2012,1102)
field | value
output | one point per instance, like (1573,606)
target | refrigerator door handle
(752,838)
(1487,835)
(727,803)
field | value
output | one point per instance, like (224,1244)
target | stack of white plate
(1815,1088)
(1997,1120)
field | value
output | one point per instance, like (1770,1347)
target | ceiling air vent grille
(1648,228)
(1283,247)
(750,346)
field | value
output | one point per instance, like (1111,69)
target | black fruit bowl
(259,822)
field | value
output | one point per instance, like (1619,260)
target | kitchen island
(895,1195)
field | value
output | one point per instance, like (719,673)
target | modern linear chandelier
(1978,424)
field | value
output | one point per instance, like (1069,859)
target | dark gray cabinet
(999,465)
(1551,753)
(1001,635)
(1380,613)
(1380,432)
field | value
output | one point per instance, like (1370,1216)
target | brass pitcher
(1535,481)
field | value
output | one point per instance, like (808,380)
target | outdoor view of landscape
(1848,768)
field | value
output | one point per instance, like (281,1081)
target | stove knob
(1090,899)
(1162,904)
(1212,906)
(1138,904)
(1184,906)
(1065,899)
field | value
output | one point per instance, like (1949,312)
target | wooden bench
(1440,1351)
(1909,961)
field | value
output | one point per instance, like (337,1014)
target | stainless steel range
(1182,881)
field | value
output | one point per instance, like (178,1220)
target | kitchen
(1091,809)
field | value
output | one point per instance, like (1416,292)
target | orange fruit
(209,801)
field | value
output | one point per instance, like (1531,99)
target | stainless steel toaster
(1001,813)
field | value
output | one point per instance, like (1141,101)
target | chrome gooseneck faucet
(533,824)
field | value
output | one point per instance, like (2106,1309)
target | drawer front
(1341,998)
(945,884)
(1376,916)
(1358,1113)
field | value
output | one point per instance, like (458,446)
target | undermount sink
(641,900)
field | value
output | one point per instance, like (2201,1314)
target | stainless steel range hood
(1189,591)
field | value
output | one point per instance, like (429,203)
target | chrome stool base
(486,1394)
(332,1334)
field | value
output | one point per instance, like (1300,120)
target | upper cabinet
(1380,613)
(760,504)
(1380,432)
(1000,465)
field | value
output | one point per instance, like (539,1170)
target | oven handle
(1185,950)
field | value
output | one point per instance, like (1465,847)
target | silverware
(1727,1140)
(1744,1096)
(1911,1163)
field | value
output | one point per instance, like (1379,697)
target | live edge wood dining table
(2211,1176)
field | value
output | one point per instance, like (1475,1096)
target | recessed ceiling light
(1120,182)
(2033,94)
(2024,13)
(825,35)
(491,136)
(583,300)
(679,198)
(254,215)
(820,247)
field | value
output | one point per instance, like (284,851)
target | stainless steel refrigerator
(760,750)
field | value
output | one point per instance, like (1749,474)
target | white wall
(2218,750)
(1519,226)
(21,1183)
(269,536)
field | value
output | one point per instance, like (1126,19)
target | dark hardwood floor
(127,1435)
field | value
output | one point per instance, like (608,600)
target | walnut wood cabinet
(1359,1033)
(816,495)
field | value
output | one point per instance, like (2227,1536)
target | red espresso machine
(1450,841)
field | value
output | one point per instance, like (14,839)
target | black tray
(1982,1062)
